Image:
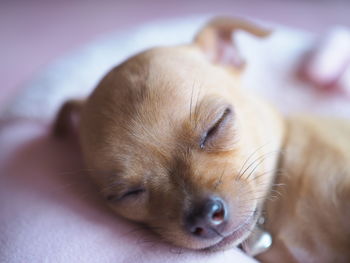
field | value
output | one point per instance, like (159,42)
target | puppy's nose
(207,219)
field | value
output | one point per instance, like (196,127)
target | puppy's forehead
(163,70)
(165,77)
(159,83)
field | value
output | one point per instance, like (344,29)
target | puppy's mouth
(236,234)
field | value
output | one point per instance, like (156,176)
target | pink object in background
(327,65)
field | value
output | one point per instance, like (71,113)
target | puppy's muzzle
(207,219)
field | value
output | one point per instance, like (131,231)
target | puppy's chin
(237,237)
(232,238)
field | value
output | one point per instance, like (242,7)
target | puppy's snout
(207,219)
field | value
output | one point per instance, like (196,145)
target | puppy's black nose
(207,219)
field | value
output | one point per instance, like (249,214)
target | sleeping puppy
(174,142)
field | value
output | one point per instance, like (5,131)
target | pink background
(35,32)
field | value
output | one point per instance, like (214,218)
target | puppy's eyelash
(133,192)
(214,129)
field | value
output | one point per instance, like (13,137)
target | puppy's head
(175,144)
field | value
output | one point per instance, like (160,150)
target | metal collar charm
(258,242)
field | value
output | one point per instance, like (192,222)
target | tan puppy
(174,143)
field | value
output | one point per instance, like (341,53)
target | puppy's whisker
(254,169)
(260,160)
(248,201)
(247,193)
(274,171)
(256,192)
(251,155)
(255,199)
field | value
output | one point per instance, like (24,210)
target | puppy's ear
(67,120)
(216,40)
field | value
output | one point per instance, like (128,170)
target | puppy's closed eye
(132,193)
(220,127)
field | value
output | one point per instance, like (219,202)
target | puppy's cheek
(259,187)
(249,195)
(135,212)
(175,235)
(241,202)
